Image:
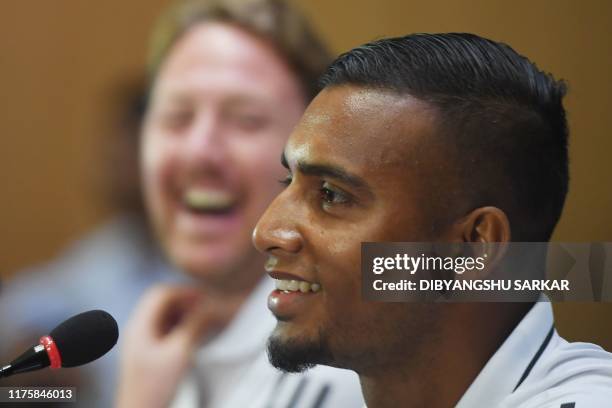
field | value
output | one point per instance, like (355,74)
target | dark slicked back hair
(500,116)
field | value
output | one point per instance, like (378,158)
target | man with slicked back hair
(440,138)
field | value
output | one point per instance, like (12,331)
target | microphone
(79,340)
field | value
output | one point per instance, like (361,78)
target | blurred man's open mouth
(209,212)
(207,201)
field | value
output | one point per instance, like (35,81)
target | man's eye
(331,195)
(286,181)
(175,119)
(248,122)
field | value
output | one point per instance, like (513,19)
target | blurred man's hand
(160,340)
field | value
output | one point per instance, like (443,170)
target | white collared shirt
(232,370)
(536,368)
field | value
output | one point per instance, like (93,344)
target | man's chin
(296,355)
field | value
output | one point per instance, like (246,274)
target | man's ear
(484,225)
(483,228)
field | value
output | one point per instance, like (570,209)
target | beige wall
(57,58)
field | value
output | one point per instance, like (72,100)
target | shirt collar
(512,360)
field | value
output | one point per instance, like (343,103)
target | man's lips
(288,282)
(274,274)
(209,220)
(226,211)
(211,201)
(292,294)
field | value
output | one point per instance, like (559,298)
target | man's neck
(440,372)
(239,281)
(227,296)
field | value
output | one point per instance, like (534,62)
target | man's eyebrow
(330,171)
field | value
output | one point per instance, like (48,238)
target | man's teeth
(201,199)
(287,285)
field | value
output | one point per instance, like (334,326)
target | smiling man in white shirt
(425,138)
(229,80)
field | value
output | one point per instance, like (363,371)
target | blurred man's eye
(175,119)
(248,122)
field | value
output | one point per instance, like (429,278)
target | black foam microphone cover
(85,337)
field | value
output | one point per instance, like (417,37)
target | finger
(174,306)
(162,307)
(205,317)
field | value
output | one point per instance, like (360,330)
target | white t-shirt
(536,368)
(232,370)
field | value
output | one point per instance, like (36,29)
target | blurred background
(71,70)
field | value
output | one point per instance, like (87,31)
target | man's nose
(206,142)
(277,230)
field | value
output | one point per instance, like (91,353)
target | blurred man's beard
(297,355)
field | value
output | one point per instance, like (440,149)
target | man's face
(222,107)
(360,168)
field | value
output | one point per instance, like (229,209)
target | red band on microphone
(54,355)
